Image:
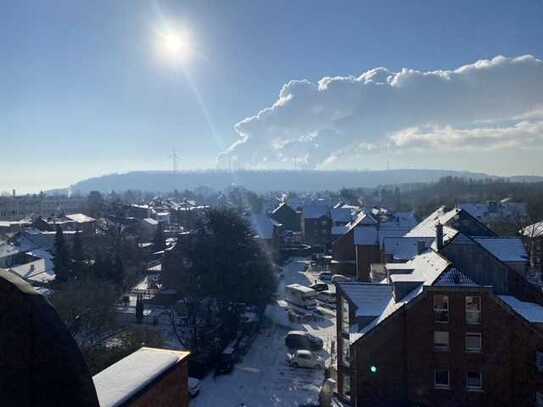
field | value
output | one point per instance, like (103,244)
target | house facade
(452,346)
(316,225)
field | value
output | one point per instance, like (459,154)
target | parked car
(226,361)
(339,278)
(194,386)
(319,286)
(305,358)
(327,298)
(303,340)
(325,276)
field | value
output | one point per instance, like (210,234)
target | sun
(175,46)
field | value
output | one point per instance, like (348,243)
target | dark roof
(41,364)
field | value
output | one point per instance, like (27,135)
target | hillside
(263,181)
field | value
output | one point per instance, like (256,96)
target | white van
(301,296)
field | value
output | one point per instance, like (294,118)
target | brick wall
(171,390)
(401,349)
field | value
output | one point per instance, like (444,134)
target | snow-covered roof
(341,214)
(7,249)
(427,228)
(426,269)
(533,230)
(507,249)
(528,310)
(391,307)
(315,211)
(403,248)
(453,277)
(150,221)
(283,204)
(122,380)
(375,235)
(80,218)
(369,299)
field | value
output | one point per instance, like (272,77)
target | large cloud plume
(490,104)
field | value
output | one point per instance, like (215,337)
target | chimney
(439,236)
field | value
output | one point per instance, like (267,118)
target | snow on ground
(263,378)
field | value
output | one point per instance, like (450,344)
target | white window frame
(473,334)
(438,310)
(441,347)
(440,385)
(474,388)
(469,321)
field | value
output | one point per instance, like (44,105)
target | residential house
(458,324)
(15,208)
(147,377)
(287,216)
(497,211)
(267,233)
(343,248)
(369,239)
(316,224)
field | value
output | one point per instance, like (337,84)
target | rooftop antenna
(175,157)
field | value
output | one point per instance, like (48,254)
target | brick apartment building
(458,325)
(452,346)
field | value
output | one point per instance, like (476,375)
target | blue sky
(83,92)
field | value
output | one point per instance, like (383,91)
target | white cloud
(490,104)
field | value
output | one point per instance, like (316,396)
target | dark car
(225,365)
(319,286)
(303,340)
(226,360)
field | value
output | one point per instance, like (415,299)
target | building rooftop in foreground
(125,380)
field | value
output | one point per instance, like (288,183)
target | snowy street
(263,378)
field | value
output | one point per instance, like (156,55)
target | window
(473,309)
(539,399)
(345,320)
(441,340)
(441,308)
(474,380)
(473,342)
(539,361)
(346,347)
(441,379)
(347,386)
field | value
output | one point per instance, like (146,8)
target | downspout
(405,348)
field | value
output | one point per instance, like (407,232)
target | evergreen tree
(78,257)
(118,272)
(61,260)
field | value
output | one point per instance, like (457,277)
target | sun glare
(175,46)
